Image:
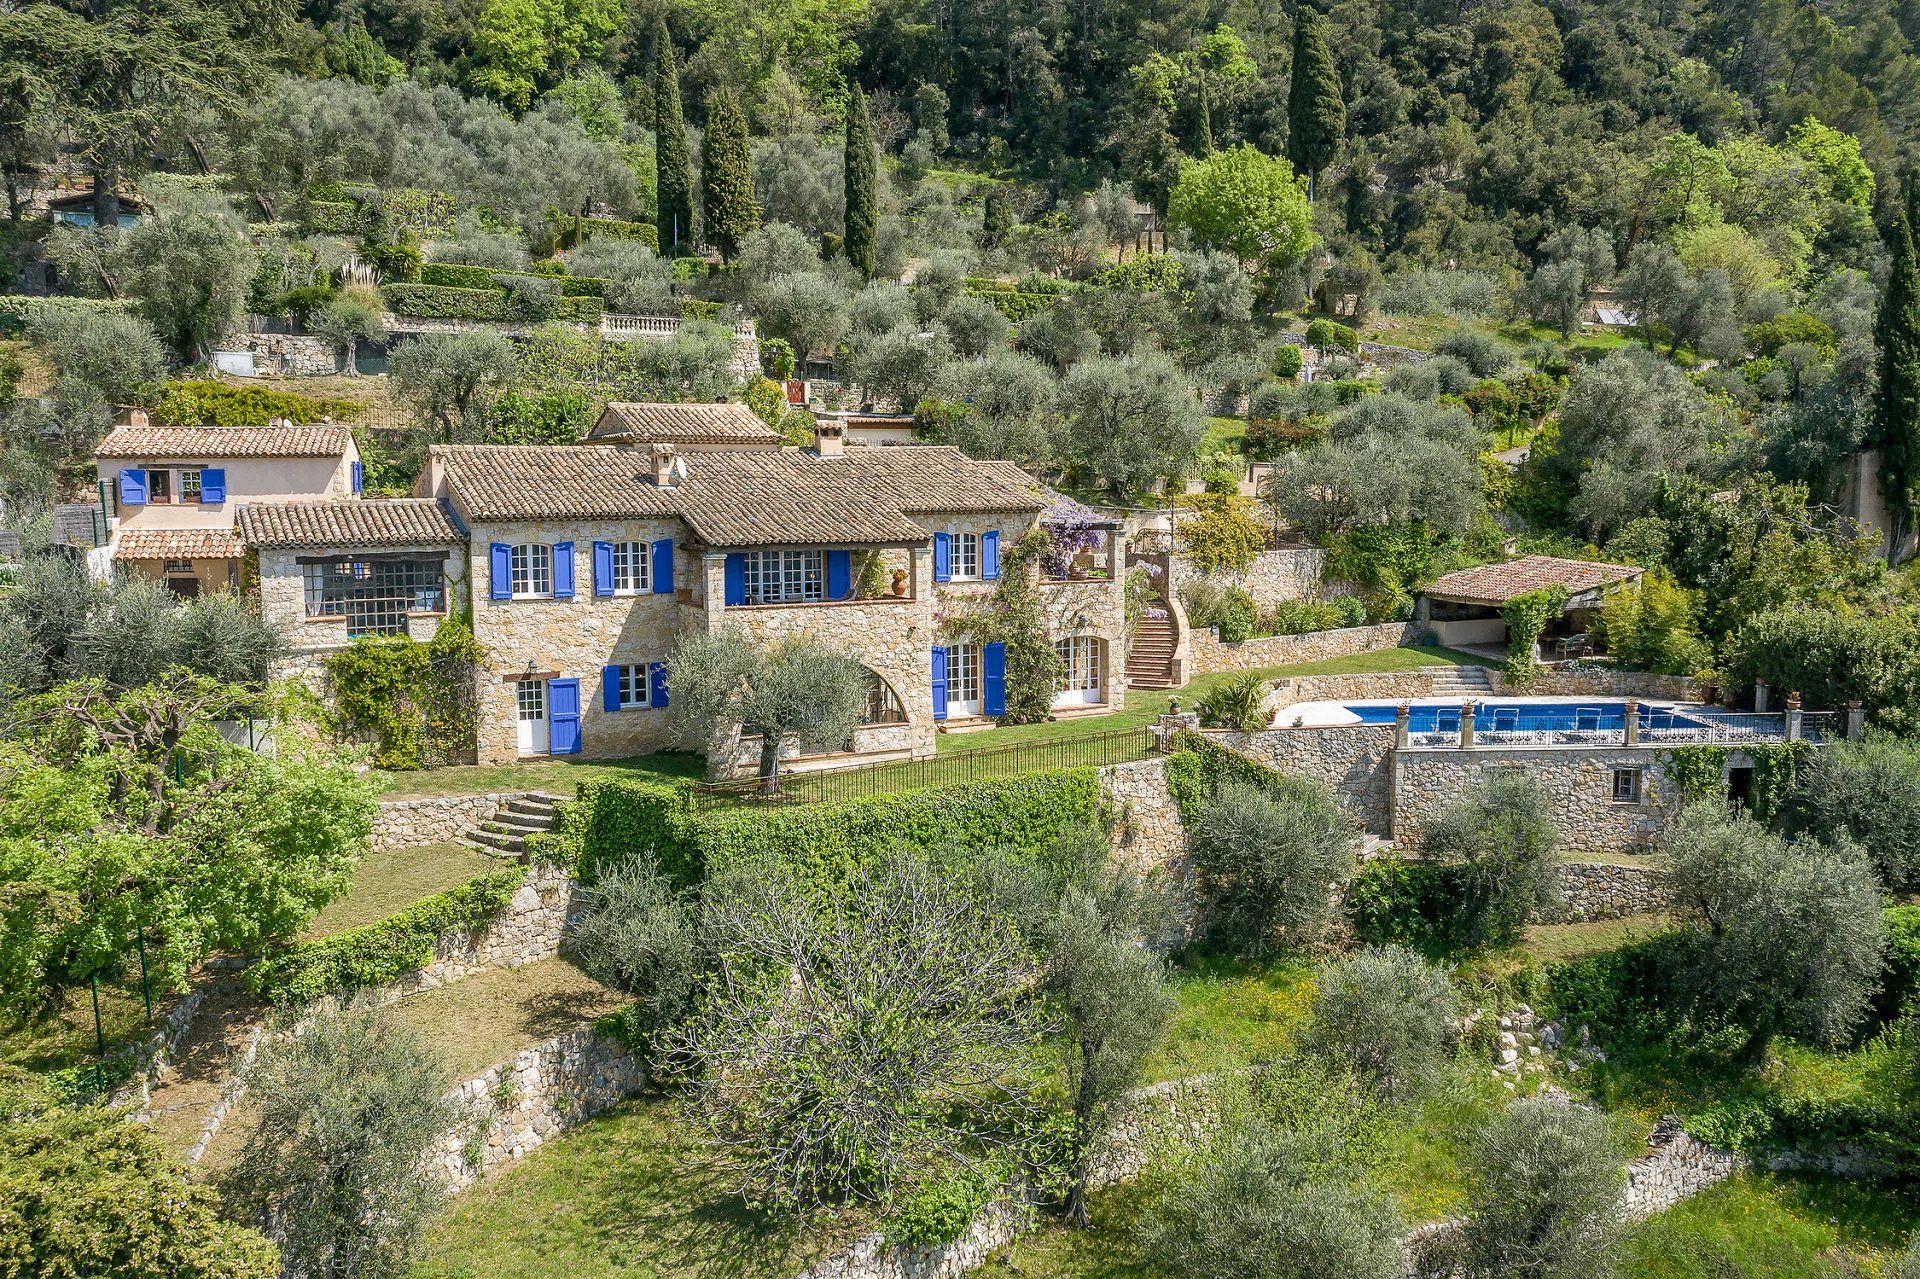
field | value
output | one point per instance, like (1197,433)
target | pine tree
(1896,402)
(673,172)
(1316,116)
(863,196)
(726,175)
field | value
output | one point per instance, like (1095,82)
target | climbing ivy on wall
(1699,772)
(1526,617)
(414,702)
(1013,617)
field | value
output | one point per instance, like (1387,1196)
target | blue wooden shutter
(500,564)
(563,717)
(610,688)
(990,555)
(663,566)
(839,575)
(563,570)
(213,484)
(943,557)
(133,487)
(657,683)
(359,477)
(603,569)
(993,678)
(736,580)
(939,683)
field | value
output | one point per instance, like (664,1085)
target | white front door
(531,700)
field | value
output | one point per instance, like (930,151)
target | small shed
(1463,609)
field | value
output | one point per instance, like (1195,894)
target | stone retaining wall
(1599,681)
(409,823)
(1351,759)
(1207,654)
(1579,781)
(1289,573)
(1607,890)
(537,1094)
(1393,685)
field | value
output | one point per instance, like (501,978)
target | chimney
(829,438)
(666,465)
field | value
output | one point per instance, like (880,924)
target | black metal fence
(1114,746)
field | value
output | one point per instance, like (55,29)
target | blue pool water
(1598,716)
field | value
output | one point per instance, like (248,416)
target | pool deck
(1338,714)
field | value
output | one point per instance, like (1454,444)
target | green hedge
(459,275)
(614,229)
(1012,303)
(386,950)
(440,302)
(1199,764)
(615,819)
(335,217)
(700,309)
(17,309)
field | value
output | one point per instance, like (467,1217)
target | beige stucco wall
(283,479)
(212,574)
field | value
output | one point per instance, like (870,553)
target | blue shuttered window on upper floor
(500,571)
(213,484)
(563,570)
(133,487)
(990,555)
(359,477)
(993,665)
(839,575)
(939,683)
(943,557)
(736,580)
(663,566)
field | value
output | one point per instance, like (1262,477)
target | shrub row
(1015,305)
(1199,764)
(459,275)
(614,229)
(821,843)
(17,309)
(385,950)
(335,217)
(440,302)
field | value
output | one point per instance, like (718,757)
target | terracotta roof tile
(175,544)
(213,443)
(744,497)
(1498,583)
(730,423)
(346,524)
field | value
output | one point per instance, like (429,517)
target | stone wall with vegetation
(1352,759)
(441,819)
(1290,573)
(520,1104)
(1609,890)
(1599,681)
(1208,655)
(1414,684)
(1578,781)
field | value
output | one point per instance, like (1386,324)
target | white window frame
(1080,663)
(530,570)
(963,557)
(185,472)
(634,692)
(530,700)
(792,576)
(1633,779)
(966,681)
(632,568)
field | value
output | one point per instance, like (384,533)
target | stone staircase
(1463,682)
(505,833)
(1150,660)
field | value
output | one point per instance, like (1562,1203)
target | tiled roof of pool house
(1498,583)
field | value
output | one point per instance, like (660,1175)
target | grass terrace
(387,882)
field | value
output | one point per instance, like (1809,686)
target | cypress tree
(863,196)
(673,172)
(726,175)
(1896,402)
(1316,116)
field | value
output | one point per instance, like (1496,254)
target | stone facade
(310,640)
(1608,890)
(286,354)
(441,819)
(1207,654)
(1353,760)
(1579,780)
(540,1092)
(1290,573)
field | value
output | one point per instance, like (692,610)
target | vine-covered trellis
(1699,772)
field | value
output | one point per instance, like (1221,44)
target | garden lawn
(1230,1015)
(1776,1226)
(487,1018)
(1556,943)
(624,1196)
(1147,705)
(384,883)
(555,775)
(65,1037)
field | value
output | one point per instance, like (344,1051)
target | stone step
(531,807)
(499,840)
(527,822)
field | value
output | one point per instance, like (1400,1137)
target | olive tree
(640,935)
(1130,421)
(1794,933)
(1387,1015)
(347,320)
(1545,1185)
(1869,790)
(797,691)
(1268,861)
(337,1168)
(805,308)
(1502,839)
(449,379)
(851,1041)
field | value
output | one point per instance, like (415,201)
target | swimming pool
(1494,715)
